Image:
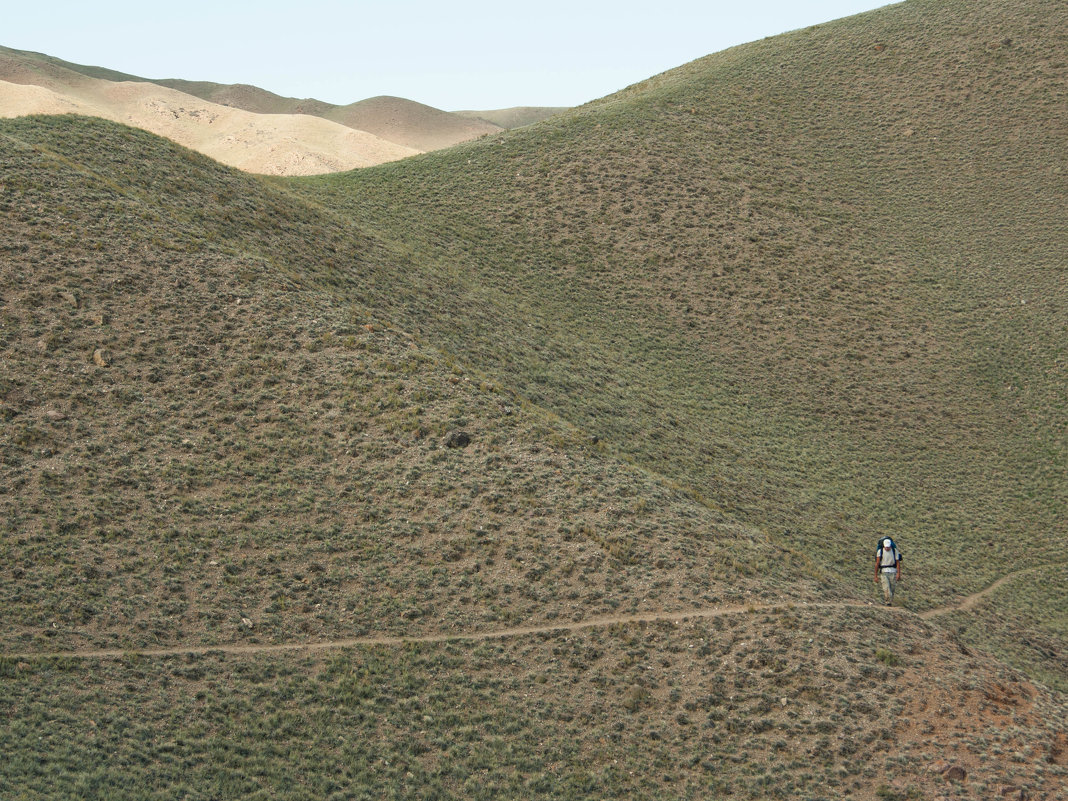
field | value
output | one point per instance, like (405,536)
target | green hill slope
(205,437)
(703,342)
(817,280)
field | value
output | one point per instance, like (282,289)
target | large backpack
(893,549)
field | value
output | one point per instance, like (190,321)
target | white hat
(887,543)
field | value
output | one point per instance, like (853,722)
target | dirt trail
(476,636)
(964,604)
(970,601)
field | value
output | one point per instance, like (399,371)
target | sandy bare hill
(25,66)
(394,119)
(409,123)
(277,144)
(40,100)
(248,98)
(413,126)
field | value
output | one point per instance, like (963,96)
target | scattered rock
(457,439)
(102,357)
(55,416)
(246,622)
(954,773)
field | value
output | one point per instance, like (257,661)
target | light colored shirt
(888,558)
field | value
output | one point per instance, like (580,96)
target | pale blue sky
(463,54)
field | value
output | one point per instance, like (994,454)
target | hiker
(888,567)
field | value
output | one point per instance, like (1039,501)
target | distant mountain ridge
(388,128)
(409,123)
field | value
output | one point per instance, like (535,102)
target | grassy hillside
(192,438)
(514,117)
(817,280)
(732,707)
(704,339)
(51,66)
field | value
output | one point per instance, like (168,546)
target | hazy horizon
(474,55)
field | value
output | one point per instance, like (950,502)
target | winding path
(970,601)
(474,636)
(964,604)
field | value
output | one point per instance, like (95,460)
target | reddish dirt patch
(1058,751)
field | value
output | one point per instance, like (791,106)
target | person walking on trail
(888,568)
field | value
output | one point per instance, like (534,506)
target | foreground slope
(230,418)
(737,706)
(205,445)
(192,440)
(818,280)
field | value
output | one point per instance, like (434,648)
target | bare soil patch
(272,144)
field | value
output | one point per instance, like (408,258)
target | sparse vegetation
(624,712)
(814,325)
(704,339)
(887,657)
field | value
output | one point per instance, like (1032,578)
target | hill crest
(271,142)
(280,144)
(409,123)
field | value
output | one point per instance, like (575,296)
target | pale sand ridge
(276,144)
(274,135)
